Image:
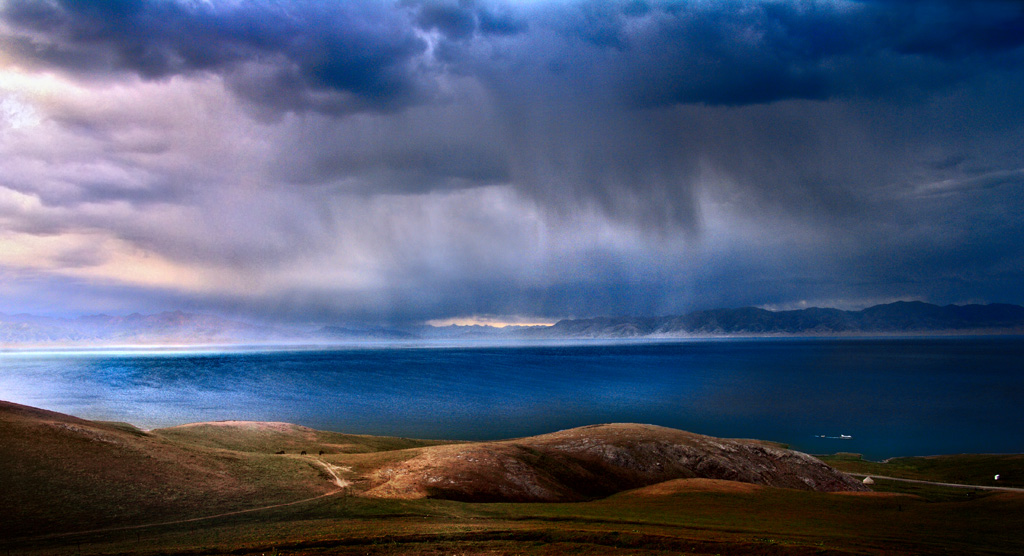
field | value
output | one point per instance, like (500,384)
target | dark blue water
(893,396)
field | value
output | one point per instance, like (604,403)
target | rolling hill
(72,486)
(62,473)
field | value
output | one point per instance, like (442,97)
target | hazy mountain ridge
(177,327)
(170,327)
(372,333)
(898,317)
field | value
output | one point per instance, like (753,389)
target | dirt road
(955,485)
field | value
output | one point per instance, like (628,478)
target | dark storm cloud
(730,53)
(498,20)
(461,19)
(443,158)
(335,56)
(455,21)
(614,104)
(736,53)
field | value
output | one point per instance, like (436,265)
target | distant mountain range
(167,328)
(179,328)
(374,333)
(901,317)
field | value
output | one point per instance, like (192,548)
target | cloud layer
(404,161)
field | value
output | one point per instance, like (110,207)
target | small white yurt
(869,481)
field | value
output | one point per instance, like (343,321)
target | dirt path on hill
(956,485)
(333,471)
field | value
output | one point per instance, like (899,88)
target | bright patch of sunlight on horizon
(496,321)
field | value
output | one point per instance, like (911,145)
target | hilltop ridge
(594,462)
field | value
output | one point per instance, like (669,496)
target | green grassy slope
(700,521)
(269,438)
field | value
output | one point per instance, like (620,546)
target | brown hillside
(61,473)
(596,461)
(678,486)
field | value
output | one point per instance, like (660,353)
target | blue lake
(892,396)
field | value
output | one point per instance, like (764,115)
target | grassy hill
(62,474)
(262,437)
(594,462)
(80,487)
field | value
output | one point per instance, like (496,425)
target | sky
(499,161)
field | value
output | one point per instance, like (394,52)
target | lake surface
(892,396)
